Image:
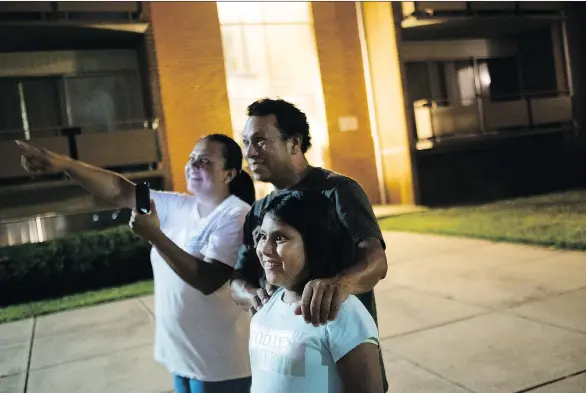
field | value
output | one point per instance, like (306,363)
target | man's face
(265,149)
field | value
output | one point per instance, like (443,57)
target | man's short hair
(290,120)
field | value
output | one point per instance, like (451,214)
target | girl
(300,239)
(201,335)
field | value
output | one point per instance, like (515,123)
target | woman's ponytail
(243,187)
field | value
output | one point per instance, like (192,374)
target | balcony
(476,19)
(25,197)
(441,122)
(422,9)
(69,10)
(129,148)
(37,25)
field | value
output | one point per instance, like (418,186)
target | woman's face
(281,253)
(204,172)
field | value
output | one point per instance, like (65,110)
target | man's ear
(296,144)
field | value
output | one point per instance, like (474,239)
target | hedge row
(73,264)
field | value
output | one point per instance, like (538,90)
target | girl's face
(204,172)
(281,253)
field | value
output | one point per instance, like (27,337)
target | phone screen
(143,198)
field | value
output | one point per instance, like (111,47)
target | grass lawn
(28,310)
(554,220)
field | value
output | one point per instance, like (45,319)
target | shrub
(76,263)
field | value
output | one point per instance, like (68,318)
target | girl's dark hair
(329,247)
(242,185)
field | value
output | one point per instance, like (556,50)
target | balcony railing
(436,120)
(133,144)
(44,227)
(421,9)
(70,10)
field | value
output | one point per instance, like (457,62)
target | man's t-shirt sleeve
(355,211)
(247,264)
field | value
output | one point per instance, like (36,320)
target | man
(275,139)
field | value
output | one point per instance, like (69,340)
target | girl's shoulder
(352,326)
(352,312)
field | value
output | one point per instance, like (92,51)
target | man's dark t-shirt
(352,206)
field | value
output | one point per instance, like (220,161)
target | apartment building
(490,98)
(432,103)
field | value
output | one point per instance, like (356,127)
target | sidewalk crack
(30,354)
(551,382)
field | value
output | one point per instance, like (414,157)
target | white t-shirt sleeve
(225,241)
(353,326)
(166,201)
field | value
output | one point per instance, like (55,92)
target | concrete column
(390,110)
(342,74)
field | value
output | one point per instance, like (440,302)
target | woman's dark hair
(329,247)
(242,185)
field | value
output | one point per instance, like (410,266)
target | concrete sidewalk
(456,315)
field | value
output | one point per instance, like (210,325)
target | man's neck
(293,176)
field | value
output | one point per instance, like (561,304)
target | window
(10,113)
(466,82)
(43,105)
(35,107)
(426,81)
(105,103)
(270,51)
(501,78)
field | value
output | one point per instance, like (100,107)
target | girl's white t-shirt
(198,336)
(288,355)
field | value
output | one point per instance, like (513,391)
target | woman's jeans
(186,385)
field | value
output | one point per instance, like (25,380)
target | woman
(300,239)
(201,335)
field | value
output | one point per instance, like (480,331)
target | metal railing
(127,145)
(437,119)
(44,227)
(8,134)
(70,11)
(426,9)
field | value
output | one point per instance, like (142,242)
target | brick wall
(188,85)
(187,78)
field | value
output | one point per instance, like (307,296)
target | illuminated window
(270,51)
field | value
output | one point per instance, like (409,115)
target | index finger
(26,147)
(336,303)
(270,288)
(263,295)
(153,207)
(306,302)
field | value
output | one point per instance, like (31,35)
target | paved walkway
(456,316)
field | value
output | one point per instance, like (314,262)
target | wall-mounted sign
(348,123)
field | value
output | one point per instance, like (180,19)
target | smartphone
(143,198)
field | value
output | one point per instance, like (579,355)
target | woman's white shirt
(199,336)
